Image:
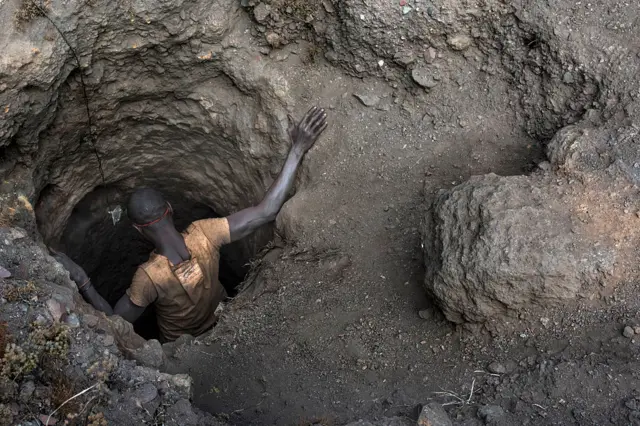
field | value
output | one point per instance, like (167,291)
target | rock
(404,58)
(108,340)
(496,368)
(146,393)
(495,245)
(459,42)
(628,332)
(26,391)
(273,39)
(568,78)
(261,12)
(633,404)
(434,415)
(47,420)
(490,413)
(182,412)
(430,55)
(72,320)
(150,355)
(90,320)
(174,349)
(545,165)
(423,77)
(12,234)
(4,273)
(426,314)
(55,309)
(636,330)
(367,100)
(328,6)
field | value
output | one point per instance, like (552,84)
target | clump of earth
(460,248)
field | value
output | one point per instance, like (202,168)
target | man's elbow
(270,213)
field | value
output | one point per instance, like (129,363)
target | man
(181,275)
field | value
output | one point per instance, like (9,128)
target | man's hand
(306,133)
(77,274)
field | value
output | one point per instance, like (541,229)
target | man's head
(149,211)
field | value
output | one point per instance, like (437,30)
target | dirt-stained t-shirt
(185,295)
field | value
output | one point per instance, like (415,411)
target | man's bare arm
(303,136)
(125,308)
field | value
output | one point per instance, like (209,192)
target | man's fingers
(319,131)
(309,116)
(320,120)
(317,117)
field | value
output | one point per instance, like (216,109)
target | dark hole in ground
(110,253)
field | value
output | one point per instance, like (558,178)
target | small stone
(150,355)
(26,391)
(72,321)
(146,393)
(490,413)
(40,320)
(55,309)
(628,332)
(496,368)
(367,100)
(47,420)
(406,9)
(404,58)
(459,41)
(328,6)
(359,68)
(568,78)
(261,12)
(545,322)
(273,39)
(430,55)
(636,329)
(545,166)
(426,314)
(90,320)
(632,404)
(434,415)
(4,273)
(108,340)
(423,77)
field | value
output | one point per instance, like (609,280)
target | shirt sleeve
(216,230)
(142,292)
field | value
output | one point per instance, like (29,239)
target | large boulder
(496,245)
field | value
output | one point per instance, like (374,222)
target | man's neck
(172,246)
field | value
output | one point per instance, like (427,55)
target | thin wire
(84,91)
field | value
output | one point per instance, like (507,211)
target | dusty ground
(337,334)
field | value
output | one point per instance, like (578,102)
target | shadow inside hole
(110,253)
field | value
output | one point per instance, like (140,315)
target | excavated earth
(460,249)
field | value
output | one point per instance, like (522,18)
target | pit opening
(110,253)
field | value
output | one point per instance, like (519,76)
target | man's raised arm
(303,136)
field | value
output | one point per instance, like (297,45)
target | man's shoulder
(215,230)
(150,268)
